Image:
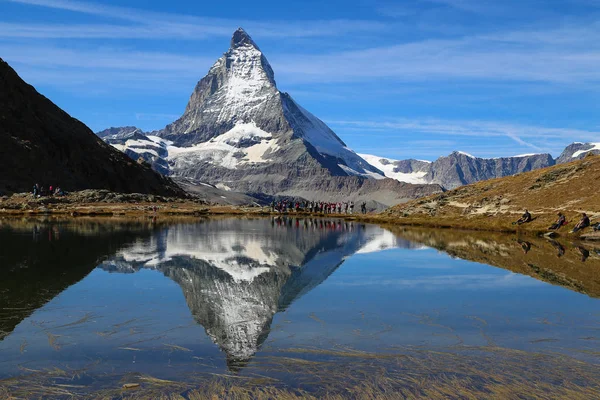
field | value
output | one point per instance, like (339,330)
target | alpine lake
(293,307)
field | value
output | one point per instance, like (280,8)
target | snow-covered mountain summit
(238,101)
(240,133)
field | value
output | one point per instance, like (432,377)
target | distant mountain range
(459,168)
(452,171)
(240,133)
(40,143)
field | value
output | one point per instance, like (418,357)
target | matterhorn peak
(241,38)
(238,124)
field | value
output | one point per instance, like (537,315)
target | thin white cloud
(469,128)
(509,8)
(161,25)
(451,282)
(539,138)
(555,59)
(517,139)
(102,31)
(562,55)
(106,58)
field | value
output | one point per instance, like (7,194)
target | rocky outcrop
(410,166)
(121,134)
(578,151)
(41,143)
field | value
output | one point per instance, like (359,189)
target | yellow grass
(470,373)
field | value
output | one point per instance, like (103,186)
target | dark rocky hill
(40,143)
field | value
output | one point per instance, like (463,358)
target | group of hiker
(42,191)
(316,207)
(313,223)
(583,223)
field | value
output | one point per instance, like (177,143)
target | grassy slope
(495,204)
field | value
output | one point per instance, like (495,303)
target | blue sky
(401,79)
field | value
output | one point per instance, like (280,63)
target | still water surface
(90,305)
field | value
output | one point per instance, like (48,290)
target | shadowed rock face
(236,275)
(40,143)
(409,166)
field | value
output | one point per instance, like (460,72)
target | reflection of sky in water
(178,311)
(407,298)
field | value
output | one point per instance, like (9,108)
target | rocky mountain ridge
(459,168)
(578,151)
(449,172)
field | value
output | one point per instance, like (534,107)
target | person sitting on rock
(560,222)
(582,224)
(524,219)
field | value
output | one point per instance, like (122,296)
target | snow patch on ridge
(465,154)
(387,166)
(227,150)
(246,84)
(595,146)
(322,138)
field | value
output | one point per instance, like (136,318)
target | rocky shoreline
(103,203)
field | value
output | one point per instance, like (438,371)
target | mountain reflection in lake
(235,275)
(235,296)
